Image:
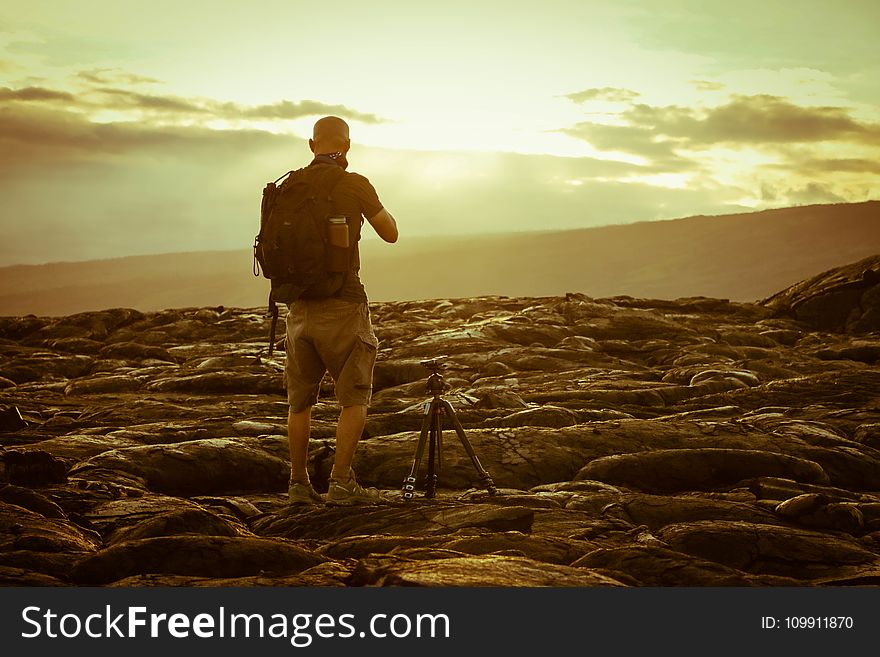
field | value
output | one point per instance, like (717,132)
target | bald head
(330,135)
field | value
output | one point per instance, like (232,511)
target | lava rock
(648,442)
(32,468)
(842,299)
(672,470)
(767,549)
(198,467)
(470,571)
(207,556)
(657,566)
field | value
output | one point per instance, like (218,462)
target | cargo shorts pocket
(355,384)
(368,346)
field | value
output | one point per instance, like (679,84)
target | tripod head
(436,385)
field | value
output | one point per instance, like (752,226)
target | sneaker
(351,492)
(299,493)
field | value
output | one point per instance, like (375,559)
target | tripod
(432,432)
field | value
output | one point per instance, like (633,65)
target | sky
(134,128)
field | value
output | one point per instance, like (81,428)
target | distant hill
(742,257)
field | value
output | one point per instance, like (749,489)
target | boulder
(32,468)
(540,548)
(768,549)
(394,518)
(841,299)
(545,416)
(198,467)
(651,565)
(206,556)
(224,382)
(182,521)
(23,529)
(471,571)
(99,385)
(135,351)
(31,500)
(656,511)
(669,470)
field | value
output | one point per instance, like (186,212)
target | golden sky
(136,127)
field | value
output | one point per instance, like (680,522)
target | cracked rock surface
(633,442)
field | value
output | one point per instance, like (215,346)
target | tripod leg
(485,477)
(439,442)
(431,479)
(409,483)
(434,449)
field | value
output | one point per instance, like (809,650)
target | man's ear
(347,146)
(312,145)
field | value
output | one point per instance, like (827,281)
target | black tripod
(432,431)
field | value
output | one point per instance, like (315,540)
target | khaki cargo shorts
(332,335)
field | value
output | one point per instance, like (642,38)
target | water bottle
(338,244)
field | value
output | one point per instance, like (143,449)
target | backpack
(292,247)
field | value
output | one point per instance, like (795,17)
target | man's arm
(384,225)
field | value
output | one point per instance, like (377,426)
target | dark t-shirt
(355,198)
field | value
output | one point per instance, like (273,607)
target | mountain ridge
(742,256)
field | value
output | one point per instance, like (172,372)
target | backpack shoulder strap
(329,181)
(320,185)
(284,175)
(320,182)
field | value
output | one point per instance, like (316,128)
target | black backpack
(291,248)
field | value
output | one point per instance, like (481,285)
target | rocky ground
(633,442)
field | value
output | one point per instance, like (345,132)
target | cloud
(102,76)
(640,141)
(662,134)
(79,189)
(813,193)
(43,137)
(170,106)
(705,85)
(772,149)
(286,109)
(35,94)
(849,165)
(126,99)
(760,119)
(611,94)
(832,165)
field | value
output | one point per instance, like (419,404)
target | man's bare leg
(298,430)
(348,432)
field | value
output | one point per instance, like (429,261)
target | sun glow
(665,180)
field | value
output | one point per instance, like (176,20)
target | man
(335,334)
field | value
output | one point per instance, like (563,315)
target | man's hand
(384,225)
